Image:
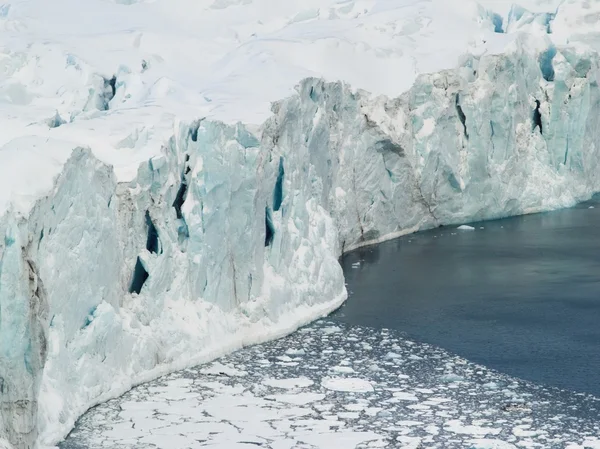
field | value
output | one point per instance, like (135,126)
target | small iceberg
(466,228)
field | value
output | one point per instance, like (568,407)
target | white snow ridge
(155,213)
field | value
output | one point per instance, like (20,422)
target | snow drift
(231,234)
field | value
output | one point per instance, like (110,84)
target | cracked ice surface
(328,386)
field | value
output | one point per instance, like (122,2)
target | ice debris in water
(466,228)
(423,397)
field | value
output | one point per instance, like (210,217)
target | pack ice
(156,212)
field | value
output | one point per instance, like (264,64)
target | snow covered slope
(140,237)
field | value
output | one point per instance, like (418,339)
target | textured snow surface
(421,398)
(138,238)
(227,59)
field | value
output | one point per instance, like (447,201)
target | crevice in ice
(89,318)
(140,276)
(566,152)
(492,134)
(546,66)
(498,23)
(278,191)
(112,83)
(41,238)
(234,279)
(461,116)
(182,191)
(186,167)
(427,205)
(153,244)
(369,123)
(110,89)
(537,117)
(549,19)
(180,199)
(249,286)
(269,228)
(424,201)
(194,127)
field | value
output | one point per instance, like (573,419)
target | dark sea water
(521,295)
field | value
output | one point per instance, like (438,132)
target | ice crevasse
(231,236)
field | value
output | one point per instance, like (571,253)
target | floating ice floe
(279,406)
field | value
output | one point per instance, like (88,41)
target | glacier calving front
(231,235)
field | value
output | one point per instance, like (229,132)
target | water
(521,296)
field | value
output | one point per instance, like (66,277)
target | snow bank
(173,241)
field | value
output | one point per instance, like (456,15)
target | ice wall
(231,237)
(502,135)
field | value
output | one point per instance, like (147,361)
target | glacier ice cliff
(231,236)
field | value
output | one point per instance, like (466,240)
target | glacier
(126,257)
